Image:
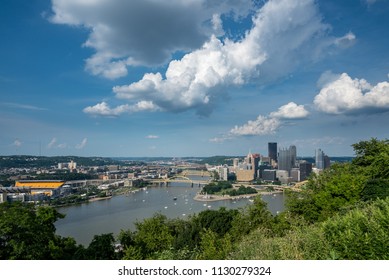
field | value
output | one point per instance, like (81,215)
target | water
(120,212)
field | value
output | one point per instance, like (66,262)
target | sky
(192,77)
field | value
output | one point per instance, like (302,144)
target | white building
(223,172)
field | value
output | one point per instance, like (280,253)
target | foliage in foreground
(360,234)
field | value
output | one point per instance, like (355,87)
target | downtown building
(322,161)
(248,170)
(272,152)
(287,158)
(305,170)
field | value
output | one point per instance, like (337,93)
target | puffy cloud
(284,34)
(290,111)
(265,125)
(103,109)
(147,32)
(261,126)
(82,144)
(345,95)
(217,25)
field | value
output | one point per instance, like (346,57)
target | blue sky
(192,78)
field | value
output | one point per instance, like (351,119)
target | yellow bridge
(182,178)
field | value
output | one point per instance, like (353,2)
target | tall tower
(319,159)
(272,150)
(293,155)
(305,170)
(287,158)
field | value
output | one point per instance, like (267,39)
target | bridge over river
(188,176)
(179,179)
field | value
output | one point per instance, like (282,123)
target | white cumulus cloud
(284,34)
(265,125)
(290,111)
(147,32)
(345,95)
(261,126)
(103,109)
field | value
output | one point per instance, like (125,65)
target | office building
(269,175)
(305,170)
(287,158)
(248,170)
(272,151)
(322,161)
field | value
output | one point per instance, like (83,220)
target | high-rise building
(249,169)
(272,150)
(287,158)
(327,161)
(263,165)
(305,170)
(322,161)
(223,172)
(293,155)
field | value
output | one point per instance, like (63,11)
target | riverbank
(214,197)
(99,198)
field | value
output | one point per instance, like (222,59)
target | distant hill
(25,161)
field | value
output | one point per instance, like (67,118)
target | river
(83,221)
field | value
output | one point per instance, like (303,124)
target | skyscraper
(305,170)
(293,155)
(287,158)
(322,161)
(272,149)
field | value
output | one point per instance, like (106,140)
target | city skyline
(191,78)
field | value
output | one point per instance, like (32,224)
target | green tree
(186,234)
(152,235)
(219,221)
(214,247)
(101,247)
(325,194)
(374,189)
(28,233)
(251,217)
(373,155)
